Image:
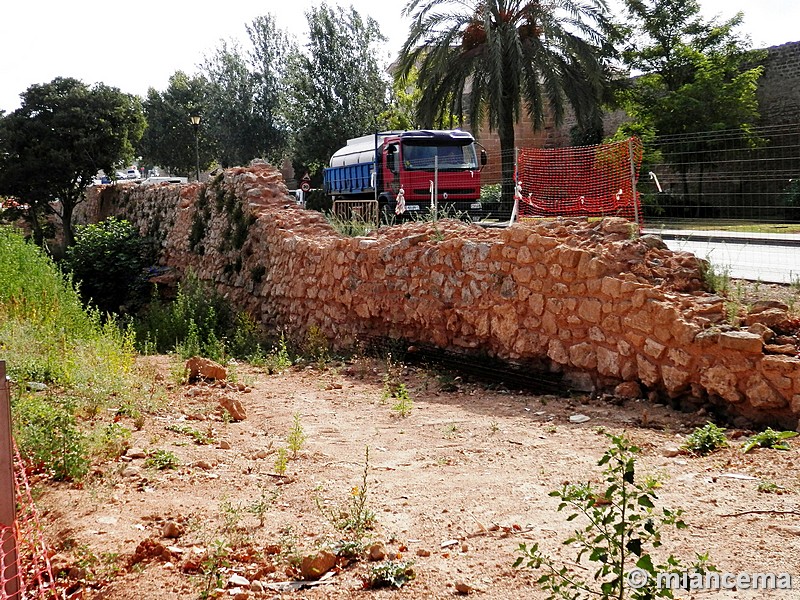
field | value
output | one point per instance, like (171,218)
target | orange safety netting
(25,571)
(591,181)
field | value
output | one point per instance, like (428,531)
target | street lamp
(196,126)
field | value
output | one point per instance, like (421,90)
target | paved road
(771,258)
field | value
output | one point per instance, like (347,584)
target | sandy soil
(456,486)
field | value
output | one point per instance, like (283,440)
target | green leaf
(646,502)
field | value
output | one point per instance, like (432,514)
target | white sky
(141,46)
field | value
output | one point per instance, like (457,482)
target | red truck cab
(410,170)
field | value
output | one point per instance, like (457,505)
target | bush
(704,440)
(619,526)
(109,262)
(491,193)
(198,322)
(48,437)
(318,200)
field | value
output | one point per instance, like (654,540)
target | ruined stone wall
(588,300)
(779,86)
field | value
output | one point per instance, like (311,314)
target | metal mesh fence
(723,176)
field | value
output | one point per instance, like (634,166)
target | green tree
(492,56)
(404,97)
(168,140)
(243,116)
(55,143)
(108,260)
(230,108)
(698,77)
(268,56)
(336,88)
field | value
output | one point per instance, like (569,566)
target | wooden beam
(9,568)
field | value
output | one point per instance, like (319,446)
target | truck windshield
(451,157)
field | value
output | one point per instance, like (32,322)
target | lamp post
(196,126)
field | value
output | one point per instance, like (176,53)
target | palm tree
(493,55)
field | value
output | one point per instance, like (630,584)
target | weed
(231,517)
(770,487)
(403,405)
(111,441)
(356,226)
(732,311)
(353,517)
(718,281)
(494,427)
(281,461)
(200,438)
(450,430)
(389,574)
(213,567)
(391,379)
(161,460)
(622,523)
(138,421)
(296,437)
(48,437)
(278,359)
(261,505)
(288,542)
(316,345)
(705,440)
(769,439)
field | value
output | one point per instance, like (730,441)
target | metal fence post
(633,183)
(436,187)
(9,573)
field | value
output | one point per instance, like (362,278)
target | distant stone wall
(779,86)
(609,310)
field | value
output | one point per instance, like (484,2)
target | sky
(141,46)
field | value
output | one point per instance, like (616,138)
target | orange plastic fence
(592,181)
(34,575)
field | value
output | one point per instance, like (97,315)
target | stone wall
(779,86)
(609,310)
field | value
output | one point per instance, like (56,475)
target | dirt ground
(455,485)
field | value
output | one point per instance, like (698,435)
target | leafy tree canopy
(243,116)
(695,77)
(502,55)
(169,140)
(55,143)
(337,87)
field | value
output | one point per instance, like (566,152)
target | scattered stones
(628,389)
(134,452)
(224,445)
(197,367)
(236,580)
(671,451)
(578,418)
(315,566)
(234,408)
(172,530)
(377,552)
(132,471)
(463,588)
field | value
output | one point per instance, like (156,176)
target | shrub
(48,437)
(198,321)
(109,261)
(704,440)
(621,524)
